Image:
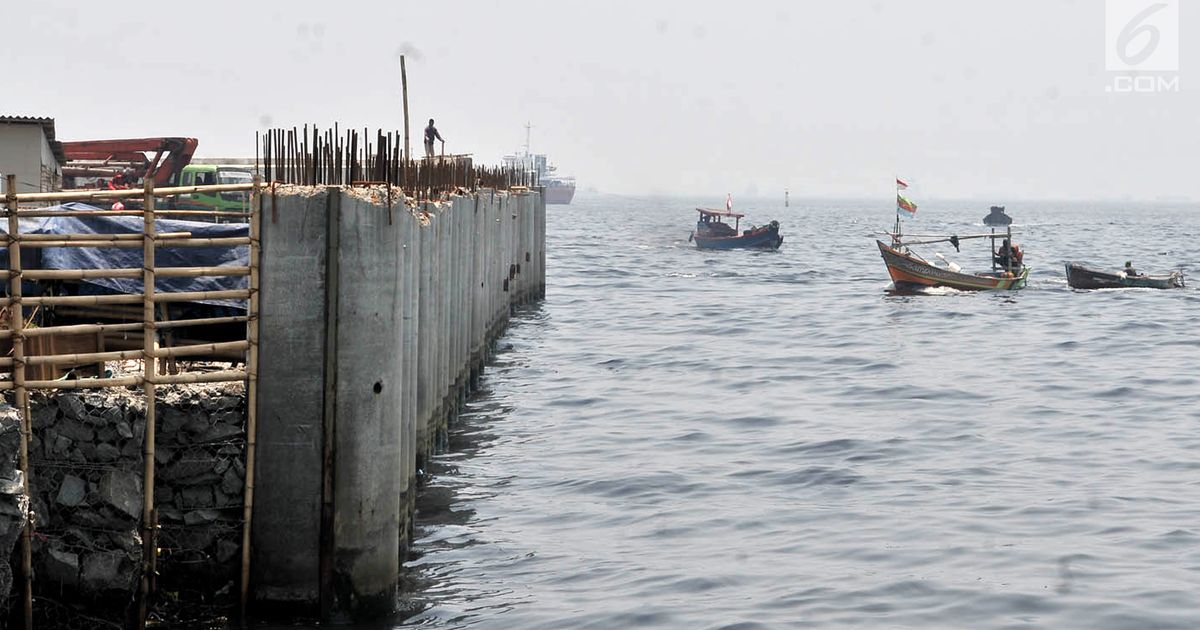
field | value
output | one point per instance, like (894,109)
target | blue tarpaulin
(117,257)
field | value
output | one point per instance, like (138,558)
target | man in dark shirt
(431,133)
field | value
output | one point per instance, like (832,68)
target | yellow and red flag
(905,205)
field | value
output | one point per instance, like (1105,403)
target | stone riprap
(86,456)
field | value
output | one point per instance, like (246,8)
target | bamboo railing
(150,353)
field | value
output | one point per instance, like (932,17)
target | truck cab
(210,175)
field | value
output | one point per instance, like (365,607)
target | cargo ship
(559,189)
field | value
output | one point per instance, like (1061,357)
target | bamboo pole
(79,357)
(87,300)
(80,274)
(86,383)
(26,238)
(16,323)
(75,329)
(94,300)
(149,544)
(129,193)
(191,272)
(194,296)
(222,376)
(36,213)
(163,272)
(251,394)
(204,349)
(229,241)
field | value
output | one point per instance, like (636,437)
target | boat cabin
(712,225)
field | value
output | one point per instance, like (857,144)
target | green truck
(209,175)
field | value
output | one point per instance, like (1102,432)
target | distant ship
(560,189)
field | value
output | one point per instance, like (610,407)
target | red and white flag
(728,202)
(901,184)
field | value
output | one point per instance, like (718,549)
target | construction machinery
(127,162)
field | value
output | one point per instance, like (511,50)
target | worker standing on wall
(431,133)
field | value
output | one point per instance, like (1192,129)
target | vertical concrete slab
(367,476)
(286,534)
(425,343)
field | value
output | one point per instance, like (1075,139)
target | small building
(29,151)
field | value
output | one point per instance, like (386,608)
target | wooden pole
(16,324)
(149,544)
(251,393)
(85,195)
(404,92)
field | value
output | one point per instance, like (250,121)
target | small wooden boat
(713,233)
(1081,277)
(910,271)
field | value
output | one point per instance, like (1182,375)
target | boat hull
(559,195)
(1080,277)
(766,239)
(908,272)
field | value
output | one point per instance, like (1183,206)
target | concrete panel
(286,531)
(367,475)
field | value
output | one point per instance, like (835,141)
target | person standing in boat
(431,133)
(1130,272)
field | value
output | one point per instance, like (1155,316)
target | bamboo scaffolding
(306,162)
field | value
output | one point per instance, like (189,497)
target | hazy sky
(991,100)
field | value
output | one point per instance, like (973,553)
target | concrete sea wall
(376,315)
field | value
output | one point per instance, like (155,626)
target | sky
(965,99)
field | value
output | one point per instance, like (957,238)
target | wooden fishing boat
(910,271)
(1081,277)
(712,232)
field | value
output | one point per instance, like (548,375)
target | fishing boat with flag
(911,271)
(712,232)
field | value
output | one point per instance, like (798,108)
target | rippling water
(687,439)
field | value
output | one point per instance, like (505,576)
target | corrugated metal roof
(47,128)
